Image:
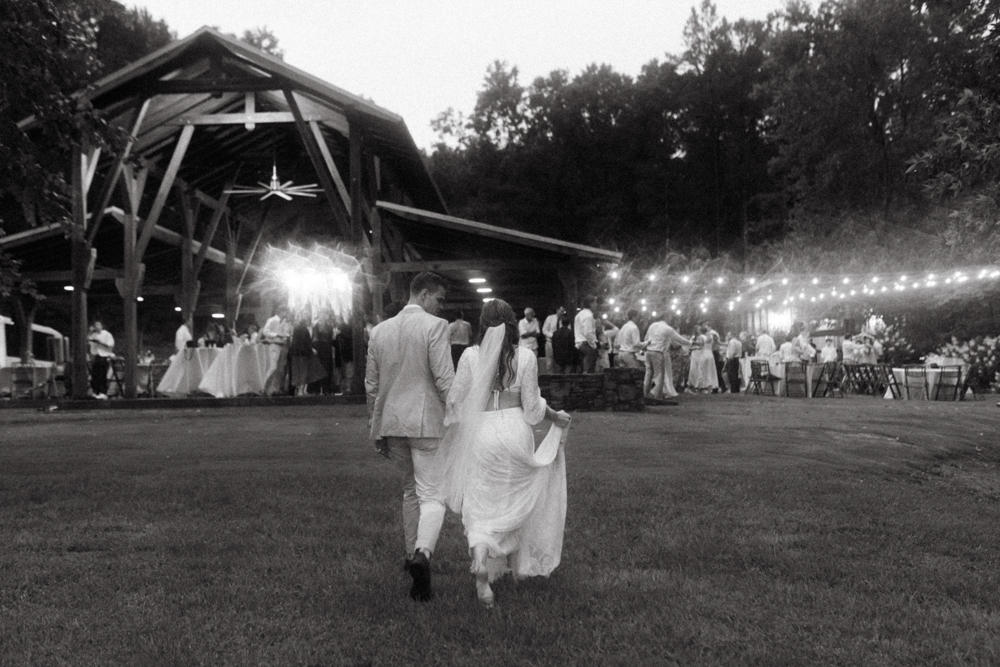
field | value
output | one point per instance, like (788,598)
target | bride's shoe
(483,590)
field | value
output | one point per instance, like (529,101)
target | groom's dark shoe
(420,570)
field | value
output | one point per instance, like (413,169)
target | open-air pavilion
(168,217)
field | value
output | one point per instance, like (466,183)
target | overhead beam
(161,194)
(315,156)
(173,238)
(461,265)
(186,86)
(67,276)
(27,236)
(116,171)
(213,225)
(331,165)
(244,118)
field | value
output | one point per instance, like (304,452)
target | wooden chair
(795,374)
(915,382)
(887,381)
(851,379)
(115,387)
(828,381)
(760,372)
(976,382)
(948,384)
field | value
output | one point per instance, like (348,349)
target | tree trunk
(24,318)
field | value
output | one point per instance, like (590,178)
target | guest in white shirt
(183,335)
(585,335)
(765,345)
(459,337)
(829,352)
(734,350)
(102,351)
(659,370)
(629,342)
(789,351)
(550,326)
(528,329)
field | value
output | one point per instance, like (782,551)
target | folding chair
(915,382)
(828,381)
(760,372)
(974,381)
(795,374)
(117,366)
(852,380)
(949,381)
(887,381)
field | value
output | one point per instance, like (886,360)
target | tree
(265,40)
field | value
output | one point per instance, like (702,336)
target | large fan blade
(282,195)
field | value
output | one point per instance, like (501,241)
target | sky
(417,59)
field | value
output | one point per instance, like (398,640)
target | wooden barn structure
(209,113)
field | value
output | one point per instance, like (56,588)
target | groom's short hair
(426,281)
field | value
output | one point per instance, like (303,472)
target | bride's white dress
(512,498)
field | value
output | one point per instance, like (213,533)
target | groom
(408,375)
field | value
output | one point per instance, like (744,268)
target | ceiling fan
(284,190)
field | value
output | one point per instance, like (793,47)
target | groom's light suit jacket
(408,374)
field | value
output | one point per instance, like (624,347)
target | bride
(512,496)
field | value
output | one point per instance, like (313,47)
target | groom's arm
(439,356)
(371,378)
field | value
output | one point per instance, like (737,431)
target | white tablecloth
(186,370)
(241,368)
(916,392)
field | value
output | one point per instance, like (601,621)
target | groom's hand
(382,446)
(562,419)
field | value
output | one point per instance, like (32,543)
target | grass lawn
(730,530)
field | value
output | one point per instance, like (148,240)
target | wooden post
(189,278)
(377,271)
(80,260)
(129,287)
(232,275)
(358,321)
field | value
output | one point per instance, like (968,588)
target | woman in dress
(703,376)
(512,496)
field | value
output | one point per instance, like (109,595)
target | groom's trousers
(423,511)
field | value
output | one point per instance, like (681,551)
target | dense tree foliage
(832,121)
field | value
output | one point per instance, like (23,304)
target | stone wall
(618,389)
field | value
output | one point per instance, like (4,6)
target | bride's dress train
(512,497)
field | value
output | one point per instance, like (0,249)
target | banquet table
(187,369)
(933,379)
(778,370)
(240,368)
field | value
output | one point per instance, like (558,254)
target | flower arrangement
(896,349)
(983,351)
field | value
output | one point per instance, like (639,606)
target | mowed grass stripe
(729,530)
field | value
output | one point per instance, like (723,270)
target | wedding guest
(528,331)
(789,351)
(629,341)
(611,333)
(585,335)
(749,344)
(563,348)
(734,350)
(102,351)
(765,346)
(829,352)
(718,356)
(459,337)
(322,342)
(183,335)
(306,367)
(276,332)
(549,328)
(702,377)
(659,381)
(252,334)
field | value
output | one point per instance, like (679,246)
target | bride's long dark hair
(497,312)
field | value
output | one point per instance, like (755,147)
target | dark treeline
(755,128)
